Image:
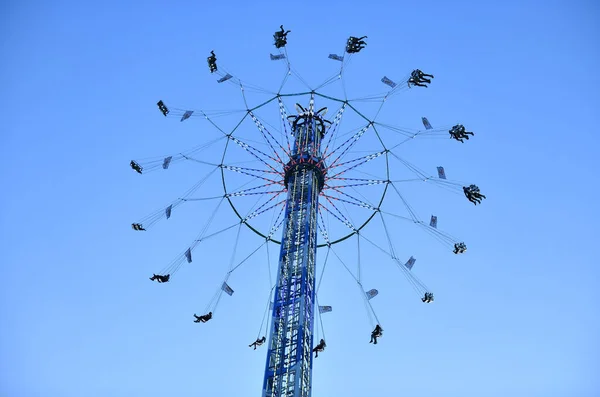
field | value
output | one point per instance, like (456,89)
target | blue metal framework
(289,358)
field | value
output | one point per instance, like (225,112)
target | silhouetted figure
(204,318)
(319,348)
(258,342)
(377,332)
(160,279)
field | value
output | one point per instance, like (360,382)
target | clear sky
(516,315)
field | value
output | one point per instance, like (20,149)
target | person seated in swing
(460,248)
(459,133)
(212,62)
(417,77)
(281,37)
(414,80)
(428,297)
(138,168)
(319,348)
(377,332)
(473,194)
(355,44)
(469,194)
(455,133)
(137,226)
(204,318)
(163,108)
(160,279)
(258,342)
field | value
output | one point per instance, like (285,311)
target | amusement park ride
(305,174)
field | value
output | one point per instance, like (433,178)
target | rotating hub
(316,164)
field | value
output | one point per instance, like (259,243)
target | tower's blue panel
(289,359)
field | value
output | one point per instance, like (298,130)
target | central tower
(289,357)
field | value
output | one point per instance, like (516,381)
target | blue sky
(516,315)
